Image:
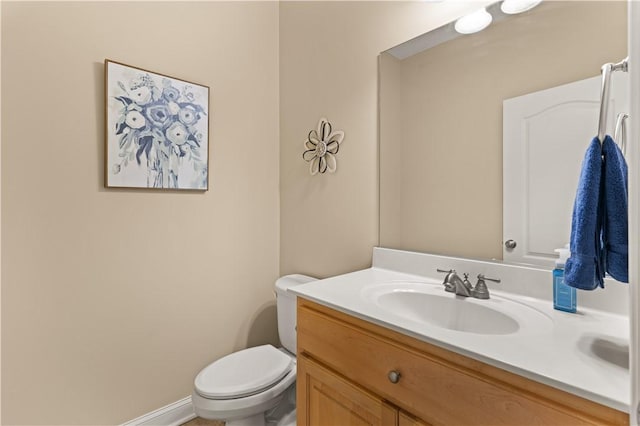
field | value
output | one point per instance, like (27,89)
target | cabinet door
(405,419)
(325,398)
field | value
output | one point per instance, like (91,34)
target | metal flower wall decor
(321,148)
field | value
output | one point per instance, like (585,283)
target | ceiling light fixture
(511,7)
(474,22)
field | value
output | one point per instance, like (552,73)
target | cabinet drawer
(433,385)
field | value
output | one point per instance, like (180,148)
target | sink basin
(610,349)
(448,312)
(429,304)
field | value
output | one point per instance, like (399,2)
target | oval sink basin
(428,304)
(449,312)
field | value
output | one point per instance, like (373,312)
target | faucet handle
(466,282)
(481,291)
(483,278)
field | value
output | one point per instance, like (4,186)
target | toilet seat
(242,407)
(244,373)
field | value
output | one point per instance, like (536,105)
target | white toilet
(255,386)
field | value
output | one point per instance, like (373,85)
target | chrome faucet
(454,284)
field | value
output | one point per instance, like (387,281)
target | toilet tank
(286,306)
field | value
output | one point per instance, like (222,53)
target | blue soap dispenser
(564,296)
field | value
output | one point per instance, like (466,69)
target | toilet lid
(243,373)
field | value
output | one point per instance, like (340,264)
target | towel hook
(607,69)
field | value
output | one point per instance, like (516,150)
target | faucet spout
(455,284)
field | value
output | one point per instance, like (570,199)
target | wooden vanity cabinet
(343,379)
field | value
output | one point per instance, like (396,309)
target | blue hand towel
(585,268)
(615,222)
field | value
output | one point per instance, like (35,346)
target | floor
(203,422)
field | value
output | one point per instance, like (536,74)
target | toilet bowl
(255,386)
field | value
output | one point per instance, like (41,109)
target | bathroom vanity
(363,361)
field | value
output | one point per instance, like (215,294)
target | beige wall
(112,300)
(441,179)
(328,67)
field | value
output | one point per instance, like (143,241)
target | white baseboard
(173,414)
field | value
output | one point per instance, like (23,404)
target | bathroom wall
(328,67)
(112,300)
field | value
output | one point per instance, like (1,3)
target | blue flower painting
(157,130)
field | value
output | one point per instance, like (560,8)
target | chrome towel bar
(607,69)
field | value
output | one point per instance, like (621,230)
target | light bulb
(474,22)
(511,7)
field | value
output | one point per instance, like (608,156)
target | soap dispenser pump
(564,296)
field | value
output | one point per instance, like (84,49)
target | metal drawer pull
(394,376)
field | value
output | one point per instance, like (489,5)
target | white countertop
(585,353)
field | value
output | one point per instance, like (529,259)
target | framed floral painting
(157,130)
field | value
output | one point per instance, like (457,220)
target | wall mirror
(442,99)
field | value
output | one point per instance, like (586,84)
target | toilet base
(257,420)
(288,419)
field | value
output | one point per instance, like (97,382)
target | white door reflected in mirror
(545,137)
